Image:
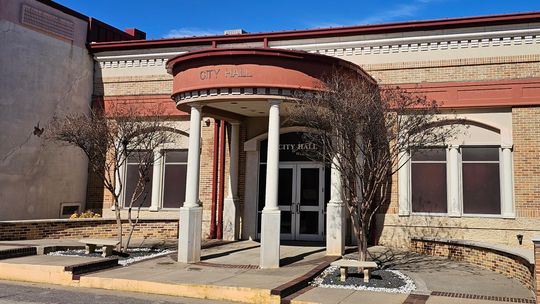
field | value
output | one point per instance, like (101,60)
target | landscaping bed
(133,254)
(392,281)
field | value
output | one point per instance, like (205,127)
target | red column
(221,186)
(215,160)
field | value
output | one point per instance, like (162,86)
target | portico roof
(231,81)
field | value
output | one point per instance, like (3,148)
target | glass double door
(301,201)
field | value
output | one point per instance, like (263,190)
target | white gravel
(136,254)
(407,288)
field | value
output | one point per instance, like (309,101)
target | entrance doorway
(301,201)
(301,190)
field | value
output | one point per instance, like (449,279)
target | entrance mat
(227,265)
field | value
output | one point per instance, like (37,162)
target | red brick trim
(145,102)
(480,94)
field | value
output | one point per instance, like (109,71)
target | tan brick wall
(205,186)
(133,85)
(469,69)
(506,264)
(85,228)
(526,137)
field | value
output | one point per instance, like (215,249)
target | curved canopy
(217,75)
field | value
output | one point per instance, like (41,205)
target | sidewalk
(230,272)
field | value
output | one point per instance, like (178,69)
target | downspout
(214,180)
(221,184)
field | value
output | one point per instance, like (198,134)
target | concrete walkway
(437,281)
(230,272)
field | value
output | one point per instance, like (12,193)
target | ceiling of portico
(247,108)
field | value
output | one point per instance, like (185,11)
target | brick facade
(133,85)
(85,228)
(459,66)
(526,136)
(468,69)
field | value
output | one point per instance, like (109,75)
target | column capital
(274,102)
(196,105)
(507,146)
(453,146)
(234,123)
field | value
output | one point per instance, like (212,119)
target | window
(481,180)
(428,186)
(174,178)
(132,177)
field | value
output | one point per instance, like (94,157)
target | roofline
(407,26)
(64,9)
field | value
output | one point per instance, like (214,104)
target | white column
(454,209)
(156,180)
(230,207)
(335,232)
(190,230)
(507,207)
(271,215)
(404,182)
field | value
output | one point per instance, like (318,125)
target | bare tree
(110,138)
(364,130)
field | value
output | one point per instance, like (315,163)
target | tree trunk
(362,237)
(118,226)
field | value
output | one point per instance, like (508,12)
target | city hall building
(233,170)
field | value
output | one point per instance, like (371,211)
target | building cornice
(268,37)
(431,43)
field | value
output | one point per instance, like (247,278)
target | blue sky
(176,18)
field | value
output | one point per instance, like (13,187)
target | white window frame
(506,185)
(162,180)
(123,173)
(158,178)
(410,162)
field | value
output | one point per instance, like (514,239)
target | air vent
(67,209)
(46,22)
(234,32)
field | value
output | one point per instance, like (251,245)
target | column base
(230,219)
(153,208)
(403,213)
(509,215)
(270,238)
(335,236)
(189,239)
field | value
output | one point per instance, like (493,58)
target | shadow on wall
(95,192)
(396,231)
(391,258)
